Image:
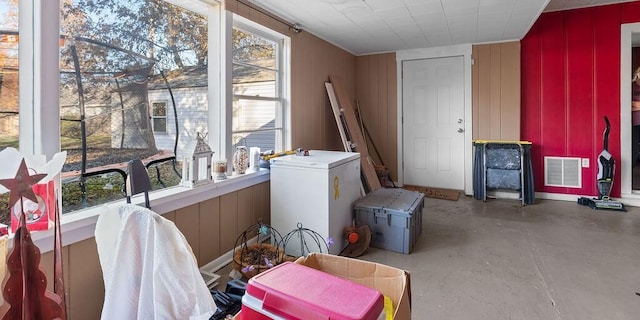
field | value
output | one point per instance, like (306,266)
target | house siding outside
(191,105)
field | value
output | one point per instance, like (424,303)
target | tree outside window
(117,56)
(9,45)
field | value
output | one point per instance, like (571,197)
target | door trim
(463,50)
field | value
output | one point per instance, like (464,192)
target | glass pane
(252,49)
(160,124)
(252,81)
(115,57)
(9,116)
(159,109)
(253,115)
(265,140)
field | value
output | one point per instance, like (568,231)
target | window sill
(80,225)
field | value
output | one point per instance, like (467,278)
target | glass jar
(240,159)
(220,169)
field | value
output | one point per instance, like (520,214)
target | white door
(433,122)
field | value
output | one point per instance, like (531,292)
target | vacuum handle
(606,133)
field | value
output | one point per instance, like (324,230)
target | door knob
(460,130)
(459,120)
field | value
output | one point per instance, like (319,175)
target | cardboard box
(391,282)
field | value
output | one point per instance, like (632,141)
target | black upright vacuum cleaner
(606,171)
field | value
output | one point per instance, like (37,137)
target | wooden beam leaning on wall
(352,138)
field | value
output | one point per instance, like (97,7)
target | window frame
(39,85)
(283,79)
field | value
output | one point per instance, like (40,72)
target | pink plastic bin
(293,291)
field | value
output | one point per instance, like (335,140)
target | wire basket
(251,259)
(302,241)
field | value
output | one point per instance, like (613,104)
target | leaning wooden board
(357,140)
(337,113)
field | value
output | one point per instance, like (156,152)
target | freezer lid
(319,159)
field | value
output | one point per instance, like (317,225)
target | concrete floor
(498,260)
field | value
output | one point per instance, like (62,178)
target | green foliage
(100,189)
(8,141)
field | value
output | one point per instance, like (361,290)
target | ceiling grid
(376,26)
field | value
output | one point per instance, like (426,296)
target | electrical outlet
(585,162)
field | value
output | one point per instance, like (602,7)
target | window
(159,116)
(259,103)
(9,115)
(134,83)
(115,57)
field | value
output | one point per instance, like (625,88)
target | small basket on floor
(267,252)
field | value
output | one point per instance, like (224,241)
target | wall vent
(562,172)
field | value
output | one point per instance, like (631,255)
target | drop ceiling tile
(424,8)
(398,20)
(459,4)
(381,23)
(461,12)
(417,2)
(394,13)
(380,5)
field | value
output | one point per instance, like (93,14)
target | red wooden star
(21,185)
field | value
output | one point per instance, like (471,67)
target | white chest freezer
(317,191)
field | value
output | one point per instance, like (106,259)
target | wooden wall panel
(481,87)
(532,98)
(580,88)
(510,91)
(554,91)
(85,285)
(570,81)
(46,264)
(496,91)
(376,93)
(266,203)
(260,207)
(245,209)
(607,83)
(628,12)
(216,221)
(209,224)
(228,221)
(188,222)
(495,105)
(170,216)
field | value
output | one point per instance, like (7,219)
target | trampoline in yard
(104,111)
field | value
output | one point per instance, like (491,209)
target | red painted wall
(570,81)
